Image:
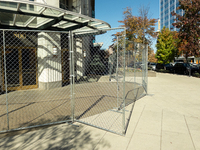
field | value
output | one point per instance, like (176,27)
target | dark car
(164,66)
(192,68)
(169,67)
(198,65)
(131,64)
(159,66)
(181,68)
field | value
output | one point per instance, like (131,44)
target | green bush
(163,71)
(196,74)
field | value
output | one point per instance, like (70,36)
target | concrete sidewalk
(167,119)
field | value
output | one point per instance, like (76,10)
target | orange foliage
(138,26)
(151,55)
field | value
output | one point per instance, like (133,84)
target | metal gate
(54,77)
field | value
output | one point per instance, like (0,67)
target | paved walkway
(167,119)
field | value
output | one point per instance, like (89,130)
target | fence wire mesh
(51,77)
(135,75)
(99,72)
(35,68)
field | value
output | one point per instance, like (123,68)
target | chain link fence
(136,75)
(34,72)
(100,79)
(55,77)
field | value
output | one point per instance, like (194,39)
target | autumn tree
(166,46)
(151,55)
(189,27)
(139,27)
(148,30)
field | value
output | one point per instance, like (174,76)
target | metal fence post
(71,74)
(135,49)
(123,109)
(146,69)
(117,73)
(73,84)
(143,65)
(5,78)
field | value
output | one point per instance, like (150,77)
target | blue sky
(111,11)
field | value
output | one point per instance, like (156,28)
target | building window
(166,12)
(166,25)
(31,7)
(166,6)
(161,2)
(64,4)
(171,2)
(162,9)
(171,8)
(27,6)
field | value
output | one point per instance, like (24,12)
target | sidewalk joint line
(100,139)
(161,131)
(189,132)
(135,127)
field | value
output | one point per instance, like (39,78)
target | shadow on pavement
(60,137)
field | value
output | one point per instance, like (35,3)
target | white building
(46,53)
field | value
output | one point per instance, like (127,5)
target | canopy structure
(29,15)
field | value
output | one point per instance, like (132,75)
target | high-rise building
(166,18)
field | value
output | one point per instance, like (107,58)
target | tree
(97,66)
(189,27)
(138,27)
(151,55)
(166,46)
(148,30)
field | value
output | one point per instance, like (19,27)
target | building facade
(30,56)
(166,18)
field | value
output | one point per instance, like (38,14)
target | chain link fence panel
(34,79)
(135,75)
(98,87)
(53,77)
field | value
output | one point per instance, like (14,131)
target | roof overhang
(29,15)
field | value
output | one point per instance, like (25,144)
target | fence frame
(71,58)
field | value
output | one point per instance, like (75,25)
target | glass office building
(166,19)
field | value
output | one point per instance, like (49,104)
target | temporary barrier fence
(53,77)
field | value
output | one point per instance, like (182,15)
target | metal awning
(29,15)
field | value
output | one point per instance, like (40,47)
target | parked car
(181,68)
(152,66)
(174,63)
(192,68)
(198,65)
(159,66)
(131,64)
(169,67)
(138,65)
(185,68)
